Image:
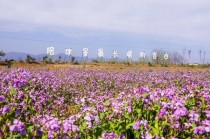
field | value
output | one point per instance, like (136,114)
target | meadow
(92,103)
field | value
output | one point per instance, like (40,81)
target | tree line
(173,58)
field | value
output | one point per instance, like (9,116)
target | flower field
(92,104)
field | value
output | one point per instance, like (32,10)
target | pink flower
(199,130)
(136,126)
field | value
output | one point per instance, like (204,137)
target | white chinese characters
(129,54)
(50,51)
(100,53)
(142,55)
(68,51)
(154,55)
(115,54)
(166,56)
(85,52)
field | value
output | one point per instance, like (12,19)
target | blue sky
(137,25)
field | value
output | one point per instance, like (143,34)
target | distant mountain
(15,56)
(22,56)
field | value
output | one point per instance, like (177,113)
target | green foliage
(2,54)
(73,59)
(9,63)
(150,64)
(95,61)
(30,59)
(46,59)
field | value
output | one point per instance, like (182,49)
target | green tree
(2,54)
(30,59)
(72,59)
(44,59)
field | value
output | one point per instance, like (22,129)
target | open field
(105,66)
(104,101)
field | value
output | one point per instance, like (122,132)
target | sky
(137,25)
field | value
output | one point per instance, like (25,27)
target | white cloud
(177,19)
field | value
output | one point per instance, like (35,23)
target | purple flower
(122,136)
(69,125)
(109,136)
(90,125)
(176,125)
(53,124)
(2,98)
(206,122)
(5,109)
(20,95)
(50,135)
(207,129)
(1,133)
(110,116)
(100,108)
(179,113)
(129,109)
(199,130)
(55,127)
(76,137)
(22,131)
(13,128)
(39,132)
(187,125)
(18,84)
(162,113)
(25,74)
(144,122)
(18,126)
(17,122)
(207,114)
(193,116)
(136,126)
(147,136)
(87,118)
(17,112)
(74,128)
